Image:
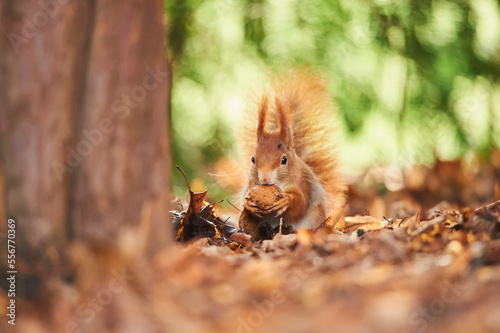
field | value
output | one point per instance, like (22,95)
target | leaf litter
(417,264)
(434,271)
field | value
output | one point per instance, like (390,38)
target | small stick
(488,206)
(430,223)
(185,178)
(239,210)
(215,203)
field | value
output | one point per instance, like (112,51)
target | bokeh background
(413,81)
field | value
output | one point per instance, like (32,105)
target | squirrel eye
(283,160)
(253,159)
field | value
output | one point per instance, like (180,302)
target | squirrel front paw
(252,207)
(281,205)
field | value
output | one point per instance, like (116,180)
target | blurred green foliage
(413,80)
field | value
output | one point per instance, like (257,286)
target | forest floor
(427,265)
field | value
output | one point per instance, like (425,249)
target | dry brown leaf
(368,223)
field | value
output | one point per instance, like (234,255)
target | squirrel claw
(254,211)
(252,207)
(280,206)
(257,213)
(281,211)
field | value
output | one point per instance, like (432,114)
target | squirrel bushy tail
(313,127)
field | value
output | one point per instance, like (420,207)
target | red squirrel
(293,149)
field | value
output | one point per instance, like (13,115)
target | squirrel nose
(266,181)
(265,178)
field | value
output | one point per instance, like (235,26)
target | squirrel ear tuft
(263,111)
(285,122)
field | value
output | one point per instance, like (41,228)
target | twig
(488,206)
(185,178)
(215,203)
(431,223)
(239,210)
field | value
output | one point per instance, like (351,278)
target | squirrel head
(274,157)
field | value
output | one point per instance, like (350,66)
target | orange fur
(263,111)
(302,117)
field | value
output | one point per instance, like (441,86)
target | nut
(264,196)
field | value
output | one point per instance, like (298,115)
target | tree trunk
(84,98)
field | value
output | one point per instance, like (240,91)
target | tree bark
(84,98)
